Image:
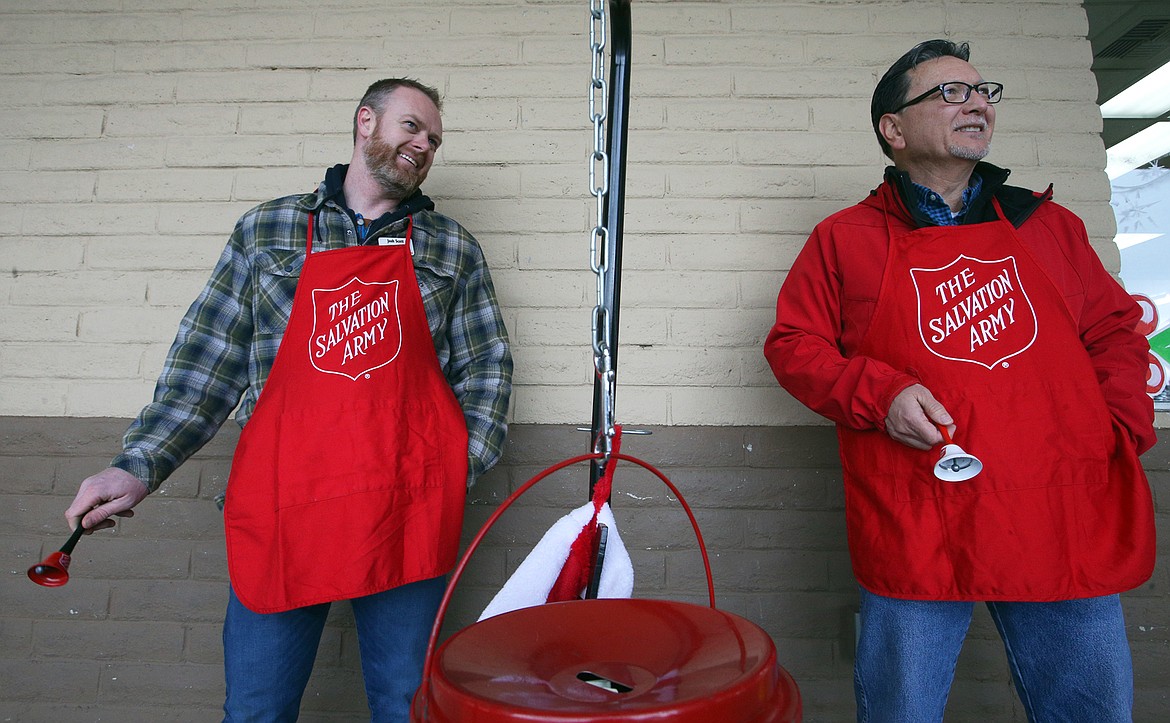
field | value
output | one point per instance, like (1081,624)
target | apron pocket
(395,446)
(1064,439)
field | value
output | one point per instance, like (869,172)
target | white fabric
(534,579)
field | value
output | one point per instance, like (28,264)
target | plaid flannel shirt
(227,341)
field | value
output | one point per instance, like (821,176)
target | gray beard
(970,154)
(382,161)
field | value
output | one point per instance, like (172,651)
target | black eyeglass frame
(994,93)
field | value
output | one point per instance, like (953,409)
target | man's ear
(890,127)
(367,121)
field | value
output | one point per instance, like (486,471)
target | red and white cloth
(560,566)
(532,582)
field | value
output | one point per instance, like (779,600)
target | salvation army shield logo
(356,328)
(974,311)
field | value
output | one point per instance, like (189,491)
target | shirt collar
(933,205)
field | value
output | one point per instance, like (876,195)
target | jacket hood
(1018,204)
(332,189)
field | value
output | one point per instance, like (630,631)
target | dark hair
(892,88)
(377,94)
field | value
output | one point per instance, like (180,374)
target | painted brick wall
(134,132)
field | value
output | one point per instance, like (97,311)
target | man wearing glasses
(949,304)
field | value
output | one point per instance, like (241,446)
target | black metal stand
(615,201)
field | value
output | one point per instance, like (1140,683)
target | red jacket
(1063,510)
(826,302)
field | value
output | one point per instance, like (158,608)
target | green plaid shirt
(227,342)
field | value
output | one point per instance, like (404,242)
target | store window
(1131,64)
(1141,203)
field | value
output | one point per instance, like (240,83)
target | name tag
(389,241)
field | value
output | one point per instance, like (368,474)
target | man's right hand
(112,491)
(913,418)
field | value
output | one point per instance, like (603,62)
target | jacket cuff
(899,384)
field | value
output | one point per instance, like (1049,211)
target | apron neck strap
(998,208)
(309,234)
(886,214)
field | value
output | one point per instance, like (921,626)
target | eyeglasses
(956,92)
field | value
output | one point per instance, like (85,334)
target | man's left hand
(913,418)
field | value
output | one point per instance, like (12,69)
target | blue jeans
(268,657)
(1070,660)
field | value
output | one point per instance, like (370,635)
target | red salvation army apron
(349,478)
(1062,507)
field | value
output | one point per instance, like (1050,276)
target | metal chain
(599,236)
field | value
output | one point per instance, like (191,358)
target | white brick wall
(134,132)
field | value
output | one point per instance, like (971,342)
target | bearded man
(358,332)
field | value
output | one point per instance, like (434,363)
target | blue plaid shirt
(227,342)
(937,209)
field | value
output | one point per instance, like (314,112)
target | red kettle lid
(606,660)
